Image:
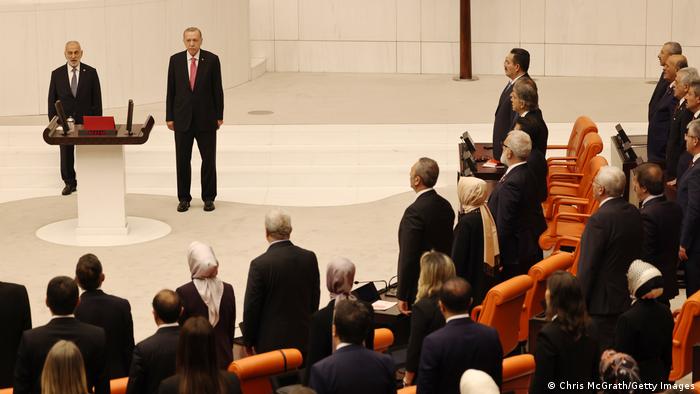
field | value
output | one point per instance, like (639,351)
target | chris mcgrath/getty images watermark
(653,387)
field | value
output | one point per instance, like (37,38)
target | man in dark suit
(14,307)
(461,345)
(353,368)
(688,192)
(692,99)
(282,293)
(611,240)
(426,224)
(516,65)
(660,119)
(111,313)
(195,110)
(154,357)
(662,225)
(675,147)
(515,206)
(78,87)
(668,49)
(61,298)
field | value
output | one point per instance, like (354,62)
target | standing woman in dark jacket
(565,352)
(435,269)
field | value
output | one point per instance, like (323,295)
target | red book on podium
(98,125)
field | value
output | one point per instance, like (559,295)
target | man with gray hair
(689,200)
(282,293)
(675,146)
(516,209)
(611,240)
(660,119)
(426,224)
(668,49)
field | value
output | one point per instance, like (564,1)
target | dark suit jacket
(199,109)
(611,241)
(224,330)
(561,358)
(461,345)
(171,385)
(426,224)
(354,369)
(659,125)
(282,293)
(687,198)
(153,361)
(14,307)
(468,255)
(113,314)
(516,209)
(645,332)
(540,134)
(426,318)
(504,119)
(676,141)
(660,89)
(89,96)
(36,343)
(662,226)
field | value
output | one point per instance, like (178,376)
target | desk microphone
(386,285)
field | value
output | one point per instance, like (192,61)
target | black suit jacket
(611,240)
(687,198)
(461,345)
(153,361)
(282,293)
(113,314)
(540,134)
(426,318)
(661,88)
(676,141)
(36,343)
(645,332)
(199,109)
(662,231)
(559,357)
(504,119)
(659,125)
(354,369)
(88,100)
(426,224)
(171,385)
(14,307)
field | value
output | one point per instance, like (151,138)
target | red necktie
(193,72)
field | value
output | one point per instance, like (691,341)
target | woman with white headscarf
(475,242)
(208,296)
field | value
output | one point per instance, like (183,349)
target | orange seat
(6,391)
(591,146)
(535,295)
(408,390)
(582,126)
(254,372)
(580,188)
(686,333)
(696,388)
(566,228)
(502,308)
(383,339)
(517,372)
(118,386)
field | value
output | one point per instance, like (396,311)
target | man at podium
(78,87)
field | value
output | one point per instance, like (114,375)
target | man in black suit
(515,206)
(78,87)
(662,225)
(154,357)
(195,110)
(353,368)
(692,100)
(282,293)
(111,313)
(611,240)
(668,49)
(426,225)
(688,192)
(660,119)
(675,147)
(61,298)
(516,65)
(461,345)
(14,307)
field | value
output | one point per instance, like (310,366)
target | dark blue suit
(659,124)
(504,119)
(662,223)
(461,345)
(688,192)
(354,369)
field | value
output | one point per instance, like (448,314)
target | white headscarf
(204,267)
(472,195)
(475,381)
(340,275)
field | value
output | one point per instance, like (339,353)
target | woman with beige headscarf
(208,296)
(475,242)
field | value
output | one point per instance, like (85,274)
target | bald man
(660,118)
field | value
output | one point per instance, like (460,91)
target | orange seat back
(408,390)
(383,339)
(6,391)
(591,146)
(517,372)
(254,372)
(118,386)
(582,127)
(502,308)
(686,333)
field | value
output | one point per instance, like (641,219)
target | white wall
(128,41)
(565,37)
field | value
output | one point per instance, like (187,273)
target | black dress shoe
(183,206)
(68,190)
(209,206)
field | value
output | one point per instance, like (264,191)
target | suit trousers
(692,273)
(68,164)
(206,143)
(604,326)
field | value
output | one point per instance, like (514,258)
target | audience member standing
(426,224)
(536,161)
(111,313)
(61,298)
(14,307)
(525,101)
(619,372)
(675,146)
(688,192)
(692,99)
(154,357)
(64,370)
(565,351)
(210,297)
(516,65)
(611,240)
(661,90)
(282,293)
(660,121)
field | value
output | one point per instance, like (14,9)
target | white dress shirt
(70,73)
(189,62)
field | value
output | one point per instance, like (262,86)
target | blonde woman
(64,372)
(435,269)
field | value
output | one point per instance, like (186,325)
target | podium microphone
(386,285)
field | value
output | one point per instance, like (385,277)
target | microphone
(386,285)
